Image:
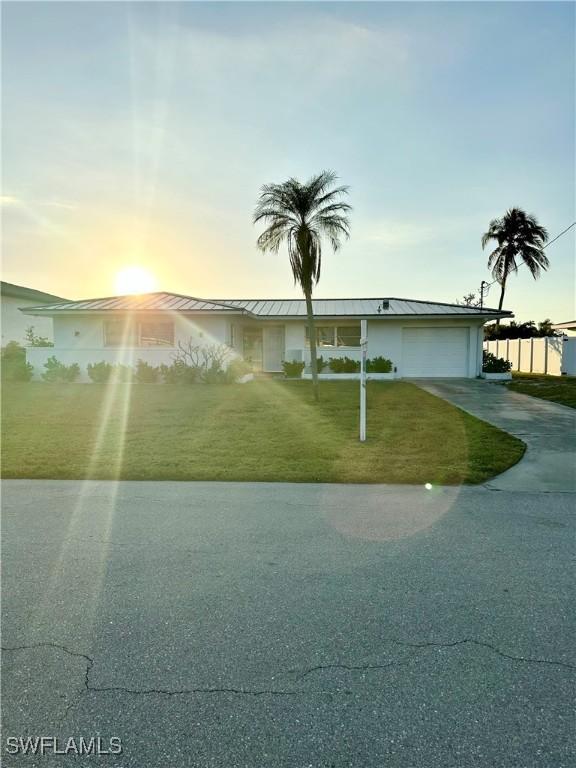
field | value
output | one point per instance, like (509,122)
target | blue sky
(141,133)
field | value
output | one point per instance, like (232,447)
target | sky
(141,133)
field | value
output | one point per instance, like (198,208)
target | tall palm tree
(301,215)
(518,236)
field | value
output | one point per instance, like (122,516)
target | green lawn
(558,389)
(265,430)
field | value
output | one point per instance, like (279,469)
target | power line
(560,235)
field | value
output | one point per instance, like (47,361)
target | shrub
(32,340)
(14,365)
(58,372)
(102,372)
(379,365)
(208,360)
(99,372)
(344,365)
(179,373)
(236,369)
(322,364)
(293,369)
(213,373)
(125,373)
(146,373)
(493,364)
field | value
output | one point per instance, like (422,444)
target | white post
(363,344)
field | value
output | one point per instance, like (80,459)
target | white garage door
(434,352)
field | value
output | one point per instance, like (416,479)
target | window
(325,336)
(116,333)
(336,335)
(156,334)
(348,335)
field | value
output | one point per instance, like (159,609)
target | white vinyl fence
(555,355)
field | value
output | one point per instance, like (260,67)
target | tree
(545,328)
(469,300)
(518,236)
(513,330)
(301,215)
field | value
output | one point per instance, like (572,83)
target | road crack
(482,644)
(89,664)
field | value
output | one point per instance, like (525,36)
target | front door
(252,347)
(273,343)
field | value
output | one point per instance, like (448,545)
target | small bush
(125,373)
(322,364)
(99,372)
(213,373)
(344,365)
(493,364)
(102,372)
(379,365)
(293,369)
(236,369)
(14,365)
(58,372)
(33,340)
(146,373)
(179,373)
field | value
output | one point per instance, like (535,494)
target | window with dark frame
(155,333)
(117,333)
(336,335)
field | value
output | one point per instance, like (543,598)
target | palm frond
(519,236)
(300,215)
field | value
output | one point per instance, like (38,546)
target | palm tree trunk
(312,337)
(502,292)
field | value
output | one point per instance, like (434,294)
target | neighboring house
(568,328)
(420,338)
(14,323)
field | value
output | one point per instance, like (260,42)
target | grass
(262,431)
(558,389)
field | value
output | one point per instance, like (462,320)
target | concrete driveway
(265,626)
(548,429)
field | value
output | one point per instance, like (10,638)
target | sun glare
(134,280)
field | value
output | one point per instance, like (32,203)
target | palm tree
(301,215)
(519,236)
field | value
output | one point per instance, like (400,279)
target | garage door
(434,352)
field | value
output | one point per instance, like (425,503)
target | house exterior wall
(385,340)
(14,322)
(552,355)
(80,339)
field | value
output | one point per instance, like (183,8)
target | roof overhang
(483,316)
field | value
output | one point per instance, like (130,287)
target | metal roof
(264,308)
(160,301)
(354,307)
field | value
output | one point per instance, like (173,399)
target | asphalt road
(263,625)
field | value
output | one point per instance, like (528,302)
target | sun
(134,280)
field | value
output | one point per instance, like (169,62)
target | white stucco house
(421,338)
(568,328)
(14,323)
